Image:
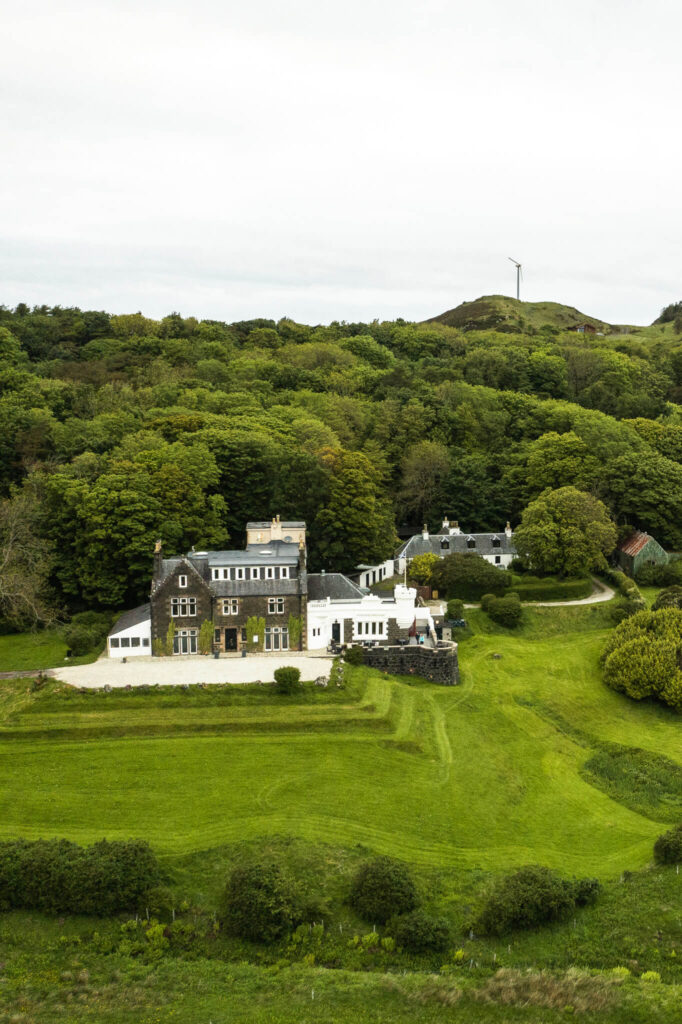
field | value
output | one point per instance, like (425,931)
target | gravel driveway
(177,670)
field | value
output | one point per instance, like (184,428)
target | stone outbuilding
(640,549)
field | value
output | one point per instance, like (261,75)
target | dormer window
(496,542)
(255,572)
(269,572)
(445,545)
(182,581)
(284,572)
(216,574)
(471,543)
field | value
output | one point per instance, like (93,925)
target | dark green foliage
(643,780)
(565,531)
(455,609)
(468,576)
(653,574)
(530,897)
(669,313)
(287,680)
(79,639)
(259,903)
(668,847)
(57,876)
(381,889)
(354,655)
(506,611)
(671,597)
(532,589)
(487,600)
(419,932)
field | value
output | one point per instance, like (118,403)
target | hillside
(506,314)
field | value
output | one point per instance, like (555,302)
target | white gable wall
(132,642)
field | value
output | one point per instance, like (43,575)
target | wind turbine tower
(519,276)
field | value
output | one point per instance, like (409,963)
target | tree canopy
(565,532)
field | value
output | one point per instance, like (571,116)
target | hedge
(57,876)
(553,590)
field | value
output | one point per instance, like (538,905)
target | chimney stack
(446,523)
(425,532)
(455,530)
(157,558)
(508,529)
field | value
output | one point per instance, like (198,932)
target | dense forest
(116,430)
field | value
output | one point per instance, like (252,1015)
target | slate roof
(132,618)
(257,588)
(277,552)
(633,544)
(334,585)
(419,545)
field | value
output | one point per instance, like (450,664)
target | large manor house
(268,582)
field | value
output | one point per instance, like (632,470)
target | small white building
(131,634)
(341,612)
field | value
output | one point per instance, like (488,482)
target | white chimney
(425,532)
(446,523)
(455,530)
(508,529)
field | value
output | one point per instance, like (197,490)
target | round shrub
(506,611)
(455,609)
(354,655)
(418,932)
(287,680)
(671,597)
(643,654)
(668,847)
(382,888)
(527,898)
(487,600)
(586,891)
(259,903)
(80,639)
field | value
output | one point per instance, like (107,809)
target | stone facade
(438,665)
(267,580)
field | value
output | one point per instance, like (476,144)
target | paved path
(175,671)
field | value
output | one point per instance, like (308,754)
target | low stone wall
(438,665)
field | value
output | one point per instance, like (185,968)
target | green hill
(502,313)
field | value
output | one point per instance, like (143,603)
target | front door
(230,639)
(336,632)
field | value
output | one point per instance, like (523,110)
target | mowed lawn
(485,775)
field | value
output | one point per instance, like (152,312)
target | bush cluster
(668,847)
(468,577)
(670,597)
(419,932)
(455,609)
(86,632)
(506,611)
(260,903)
(57,876)
(532,896)
(354,655)
(642,656)
(287,680)
(382,888)
(668,575)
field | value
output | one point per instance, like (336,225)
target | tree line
(116,430)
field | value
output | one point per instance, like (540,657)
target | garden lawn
(485,775)
(27,652)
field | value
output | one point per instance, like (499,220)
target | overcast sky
(340,160)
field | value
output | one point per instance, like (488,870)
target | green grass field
(26,652)
(530,759)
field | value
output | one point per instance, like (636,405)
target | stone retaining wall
(438,665)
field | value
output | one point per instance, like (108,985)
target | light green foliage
(295,628)
(421,567)
(565,531)
(642,656)
(255,633)
(170,639)
(206,637)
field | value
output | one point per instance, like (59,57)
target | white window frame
(178,603)
(216,574)
(255,572)
(240,573)
(284,572)
(231,606)
(182,581)
(275,606)
(269,572)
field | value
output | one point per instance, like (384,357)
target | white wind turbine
(519,276)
